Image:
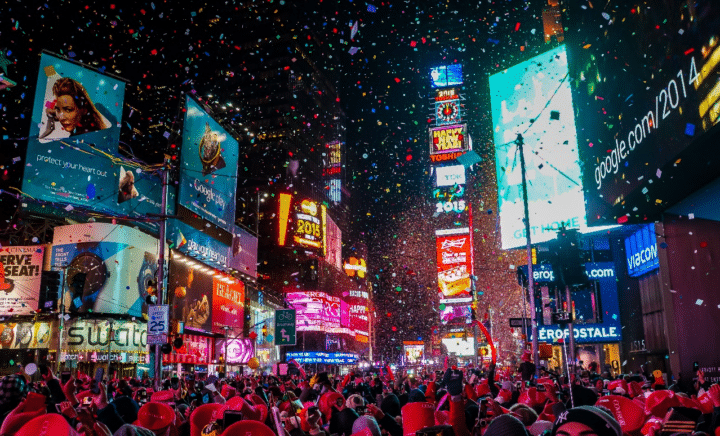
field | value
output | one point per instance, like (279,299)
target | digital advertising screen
(448,139)
(310,230)
(228,303)
(446,75)
(74,133)
(534,98)
(454,266)
(459,345)
(645,83)
(414,352)
(316,311)
(118,263)
(21,268)
(192,287)
(24,335)
(208,170)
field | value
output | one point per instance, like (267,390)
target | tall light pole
(531,285)
(161,267)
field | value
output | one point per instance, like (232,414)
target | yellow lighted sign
(448,139)
(309,227)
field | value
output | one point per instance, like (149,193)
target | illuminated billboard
(118,263)
(73,145)
(310,230)
(534,97)
(208,169)
(454,267)
(414,352)
(645,102)
(21,267)
(448,139)
(450,175)
(204,298)
(317,311)
(459,345)
(446,75)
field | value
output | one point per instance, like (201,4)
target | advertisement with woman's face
(71,100)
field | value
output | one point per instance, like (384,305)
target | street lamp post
(225,351)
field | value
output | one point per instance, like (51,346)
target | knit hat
(506,425)
(600,421)
(539,427)
(13,388)
(132,430)
(366,422)
(390,405)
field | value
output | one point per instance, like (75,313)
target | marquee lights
(283,216)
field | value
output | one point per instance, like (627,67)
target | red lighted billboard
(454,264)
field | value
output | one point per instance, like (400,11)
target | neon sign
(309,225)
(641,251)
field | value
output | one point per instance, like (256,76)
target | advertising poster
(334,244)
(24,335)
(534,97)
(118,262)
(228,303)
(208,170)
(448,139)
(190,292)
(20,269)
(75,126)
(316,311)
(454,264)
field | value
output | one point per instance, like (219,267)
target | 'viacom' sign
(641,251)
(448,139)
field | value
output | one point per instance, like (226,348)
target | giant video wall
(645,84)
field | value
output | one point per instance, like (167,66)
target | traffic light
(49,290)
(570,260)
(77,287)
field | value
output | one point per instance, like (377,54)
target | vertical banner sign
(309,225)
(76,119)
(20,269)
(285,327)
(454,263)
(227,304)
(208,171)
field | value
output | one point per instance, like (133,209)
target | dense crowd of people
(461,402)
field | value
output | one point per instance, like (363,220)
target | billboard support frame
(161,297)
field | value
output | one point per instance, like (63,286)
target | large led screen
(208,170)
(316,311)
(446,75)
(454,267)
(118,262)
(72,153)
(204,298)
(534,98)
(645,83)
(448,139)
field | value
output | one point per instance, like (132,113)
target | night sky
(165,48)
